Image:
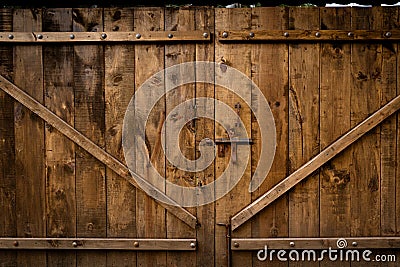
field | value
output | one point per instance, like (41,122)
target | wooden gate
(329,76)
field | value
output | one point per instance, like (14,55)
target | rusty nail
(103,36)
(291,244)
(170,35)
(355,244)
(251,34)
(138,36)
(74,244)
(388,34)
(317,34)
(286,34)
(224,34)
(72,36)
(39,36)
(205,35)
(350,34)
(236,244)
(10,36)
(15,243)
(136,244)
(192,244)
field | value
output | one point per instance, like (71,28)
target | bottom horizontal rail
(97,244)
(315,243)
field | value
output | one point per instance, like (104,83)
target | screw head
(251,34)
(39,36)
(317,34)
(236,244)
(291,244)
(10,36)
(224,34)
(72,36)
(136,244)
(350,34)
(15,244)
(170,35)
(355,244)
(205,35)
(74,244)
(388,34)
(286,34)
(103,36)
(192,244)
(138,36)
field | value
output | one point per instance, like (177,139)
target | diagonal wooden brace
(84,142)
(316,162)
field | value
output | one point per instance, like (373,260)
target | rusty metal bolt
(39,36)
(103,36)
(72,36)
(192,244)
(317,34)
(10,36)
(224,34)
(138,36)
(15,244)
(355,244)
(205,35)
(350,34)
(251,34)
(286,34)
(136,244)
(170,35)
(236,244)
(291,244)
(388,34)
(74,244)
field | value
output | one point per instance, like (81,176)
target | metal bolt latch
(138,36)
(224,34)
(234,142)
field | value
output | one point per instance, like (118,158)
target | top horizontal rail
(144,36)
(309,35)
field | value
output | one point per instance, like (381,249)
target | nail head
(15,243)
(72,36)
(224,34)
(388,34)
(39,36)
(355,244)
(10,36)
(170,35)
(192,244)
(205,35)
(317,34)
(74,244)
(136,244)
(103,36)
(286,34)
(251,34)
(350,34)
(291,244)
(236,244)
(138,36)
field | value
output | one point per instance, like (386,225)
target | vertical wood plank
(181,19)
(237,56)
(60,151)
(390,20)
(304,126)
(205,129)
(119,88)
(270,72)
(29,139)
(365,99)
(7,146)
(149,59)
(89,120)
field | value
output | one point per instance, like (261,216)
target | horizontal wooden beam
(315,243)
(71,37)
(98,243)
(99,153)
(316,162)
(309,36)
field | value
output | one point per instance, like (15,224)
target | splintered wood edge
(82,141)
(323,157)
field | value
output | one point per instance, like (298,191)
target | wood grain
(29,154)
(7,146)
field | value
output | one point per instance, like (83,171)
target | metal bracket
(234,142)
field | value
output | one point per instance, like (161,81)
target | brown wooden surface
(63,176)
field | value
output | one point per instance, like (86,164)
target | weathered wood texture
(65,179)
